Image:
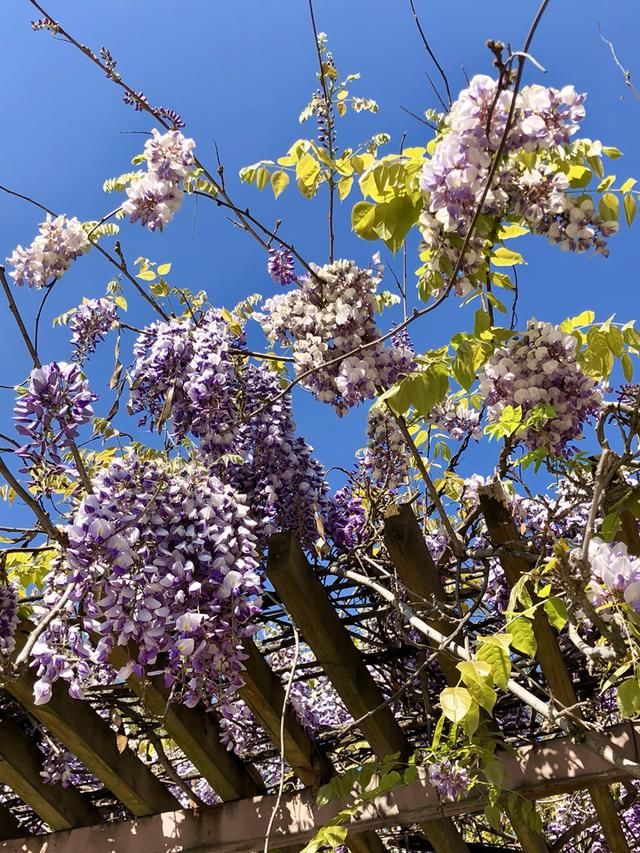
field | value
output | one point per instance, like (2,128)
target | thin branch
(45,522)
(427,47)
(46,620)
(33,352)
(625,72)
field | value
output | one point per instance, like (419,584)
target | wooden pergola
(156,822)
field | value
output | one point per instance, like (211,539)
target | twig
(16,316)
(45,522)
(46,620)
(625,72)
(430,52)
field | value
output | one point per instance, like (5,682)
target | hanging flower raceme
(454,181)
(539,369)
(8,618)
(193,374)
(329,315)
(284,484)
(450,780)
(60,241)
(385,460)
(455,418)
(90,323)
(345,519)
(615,574)
(280,266)
(163,560)
(154,198)
(57,402)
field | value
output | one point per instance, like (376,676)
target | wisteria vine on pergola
(153,521)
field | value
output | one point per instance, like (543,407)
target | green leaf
(474,670)
(146,275)
(579,176)
(492,813)
(508,232)
(628,185)
(456,702)
(629,204)
(615,340)
(556,611)
(483,694)
(307,172)
(584,319)
(344,187)
(495,651)
(611,152)
(627,366)
(422,390)
(279,182)
(121,302)
(503,257)
(628,693)
(363,220)
(605,183)
(609,207)
(164,269)
(523,638)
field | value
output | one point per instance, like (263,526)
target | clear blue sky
(239,72)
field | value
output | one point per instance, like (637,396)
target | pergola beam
(83,731)
(504,534)
(311,609)
(552,767)
(20,766)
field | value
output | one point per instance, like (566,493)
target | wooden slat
(311,609)
(20,766)
(197,733)
(92,740)
(264,694)
(9,825)
(416,569)
(503,532)
(555,766)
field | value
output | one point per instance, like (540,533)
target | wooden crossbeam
(310,607)
(418,572)
(20,766)
(264,694)
(9,825)
(91,739)
(503,532)
(197,734)
(551,767)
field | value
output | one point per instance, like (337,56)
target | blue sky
(239,72)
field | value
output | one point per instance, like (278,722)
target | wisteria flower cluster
(455,179)
(163,560)
(456,419)
(328,316)
(385,459)
(615,573)
(59,241)
(281,266)
(345,519)
(210,394)
(154,198)
(539,368)
(61,767)
(90,323)
(450,780)
(57,402)
(8,617)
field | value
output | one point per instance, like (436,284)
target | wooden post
(91,739)
(503,532)
(416,569)
(310,607)
(20,766)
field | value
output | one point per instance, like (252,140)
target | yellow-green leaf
(456,703)
(629,204)
(523,638)
(344,187)
(609,207)
(279,182)
(164,269)
(503,257)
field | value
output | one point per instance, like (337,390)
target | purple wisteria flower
(8,618)
(450,780)
(615,573)
(90,323)
(60,241)
(281,267)
(345,519)
(57,402)
(539,368)
(154,198)
(385,460)
(61,767)
(455,418)
(164,561)
(328,316)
